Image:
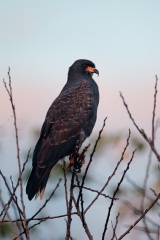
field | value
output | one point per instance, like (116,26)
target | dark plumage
(70,118)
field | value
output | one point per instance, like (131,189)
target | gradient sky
(40,40)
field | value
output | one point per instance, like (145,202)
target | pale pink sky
(40,40)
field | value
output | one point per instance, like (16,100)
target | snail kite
(70,118)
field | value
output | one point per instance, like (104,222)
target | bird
(70,118)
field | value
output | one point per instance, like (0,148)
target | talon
(76,162)
(83,161)
(82,157)
(71,159)
(69,167)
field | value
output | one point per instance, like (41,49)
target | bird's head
(83,66)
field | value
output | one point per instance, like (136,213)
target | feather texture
(71,117)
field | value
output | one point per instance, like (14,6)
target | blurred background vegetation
(107,154)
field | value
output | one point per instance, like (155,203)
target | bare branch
(111,176)
(140,218)
(47,200)
(114,194)
(141,131)
(96,191)
(90,237)
(65,184)
(115,227)
(9,218)
(9,91)
(13,197)
(89,163)
(154,110)
(68,230)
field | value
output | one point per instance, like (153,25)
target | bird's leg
(77,160)
(73,158)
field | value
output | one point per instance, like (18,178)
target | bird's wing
(66,118)
(70,112)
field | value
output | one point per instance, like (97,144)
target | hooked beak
(96,71)
(92,70)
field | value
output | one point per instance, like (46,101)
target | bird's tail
(36,185)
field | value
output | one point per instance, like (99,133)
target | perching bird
(70,118)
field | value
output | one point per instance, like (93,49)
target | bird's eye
(85,65)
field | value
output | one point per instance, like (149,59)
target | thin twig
(140,218)
(114,194)
(42,218)
(24,164)
(90,237)
(129,113)
(68,230)
(9,218)
(138,188)
(13,196)
(91,158)
(81,201)
(115,227)
(15,188)
(111,176)
(9,91)
(65,184)
(47,200)
(138,212)
(96,191)
(143,229)
(144,194)
(15,207)
(141,131)
(154,110)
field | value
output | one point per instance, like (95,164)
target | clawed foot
(76,162)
